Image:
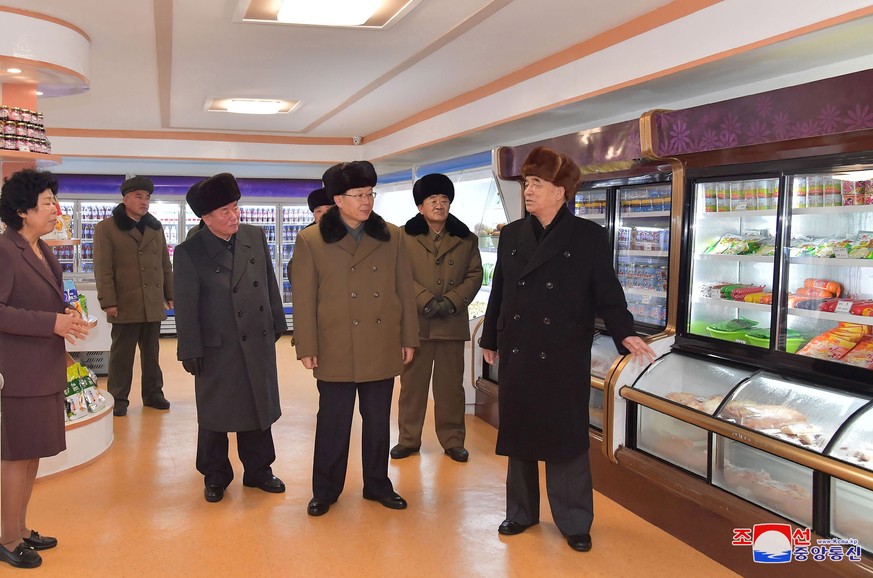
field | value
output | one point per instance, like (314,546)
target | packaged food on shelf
(862,354)
(835,343)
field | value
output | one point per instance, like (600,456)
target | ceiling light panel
(376,14)
(251,105)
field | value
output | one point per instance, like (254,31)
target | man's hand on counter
(643,354)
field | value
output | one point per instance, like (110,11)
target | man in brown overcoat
(135,288)
(447,270)
(355,326)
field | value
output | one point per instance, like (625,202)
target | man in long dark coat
(228,316)
(553,274)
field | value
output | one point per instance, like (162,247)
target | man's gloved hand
(445,307)
(193,366)
(431,310)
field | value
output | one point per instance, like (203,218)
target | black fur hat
(212,193)
(433,184)
(345,176)
(137,184)
(318,198)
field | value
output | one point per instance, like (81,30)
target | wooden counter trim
(700,515)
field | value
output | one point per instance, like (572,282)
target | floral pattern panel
(832,106)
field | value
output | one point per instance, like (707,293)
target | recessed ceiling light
(327,12)
(369,14)
(39,93)
(251,105)
(13,70)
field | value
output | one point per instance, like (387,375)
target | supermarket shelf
(42,160)
(592,216)
(846,317)
(727,303)
(644,214)
(739,258)
(61,242)
(825,262)
(739,214)
(645,292)
(838,209)
(639,253)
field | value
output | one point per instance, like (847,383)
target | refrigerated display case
(67,254)
(765,395)
(294,219)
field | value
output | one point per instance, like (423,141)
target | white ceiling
(412,90)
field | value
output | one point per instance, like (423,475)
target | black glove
(445,307)
(193,366)
(431,310)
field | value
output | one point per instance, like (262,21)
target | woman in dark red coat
(553,275)
(34,321)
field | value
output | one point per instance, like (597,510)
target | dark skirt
(32,427)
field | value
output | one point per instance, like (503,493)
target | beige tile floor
(139,510)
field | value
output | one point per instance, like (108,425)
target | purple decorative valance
(609,145)
(832,106)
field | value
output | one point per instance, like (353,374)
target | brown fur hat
(558,169)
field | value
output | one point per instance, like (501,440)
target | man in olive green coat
(135,288)
(355,326)
(447,270)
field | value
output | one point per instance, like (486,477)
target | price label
(648,247)
(841,253)
(843,307)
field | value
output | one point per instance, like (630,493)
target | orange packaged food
(827,346)
(825,284)
(815,292)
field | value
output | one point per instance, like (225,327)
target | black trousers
(255,449)
(125,338)
(336,405)
(569,487)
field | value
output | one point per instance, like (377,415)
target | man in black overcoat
(228,317)
(553,274)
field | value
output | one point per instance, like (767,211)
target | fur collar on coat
(333,228)
(125,223)
(418,226)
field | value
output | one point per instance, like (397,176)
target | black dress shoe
(399,452)
(580,542)
(458,454)
(23,556)
(157,403)
(38,542)
(272,484)
(510,528)
(394,501)
(317,507)
(213,493)
(119,410)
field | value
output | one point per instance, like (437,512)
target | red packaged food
(739,293)
(864,308)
